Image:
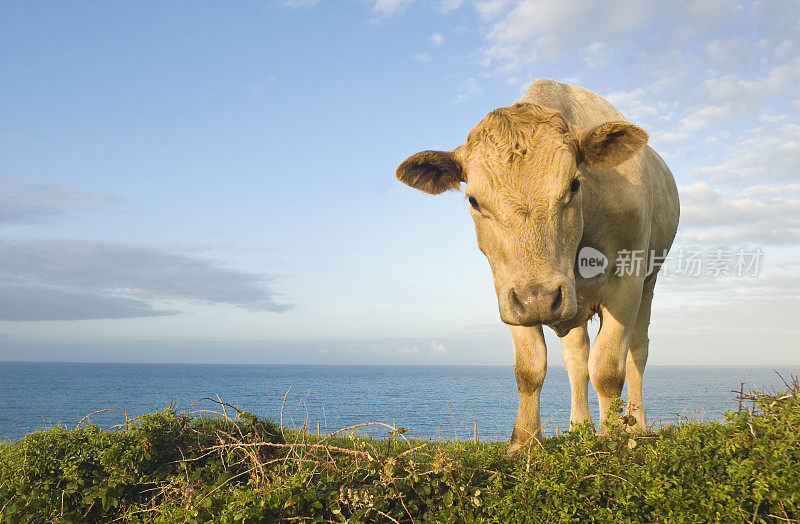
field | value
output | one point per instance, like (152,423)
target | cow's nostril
(557,302)
(516,303)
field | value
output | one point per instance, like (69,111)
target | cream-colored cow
(558,174)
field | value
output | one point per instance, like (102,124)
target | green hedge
(171,467)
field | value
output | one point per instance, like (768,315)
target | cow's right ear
(431,171)
(611,143)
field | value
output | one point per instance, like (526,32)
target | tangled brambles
(176,467)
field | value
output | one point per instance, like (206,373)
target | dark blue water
(432,401)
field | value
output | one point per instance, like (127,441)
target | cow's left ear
(611,143)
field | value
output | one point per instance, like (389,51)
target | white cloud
(385,8)
(710,216)
(468,89)
(22,201)
(448,6)
(490,9)
(65,279)
(729,317)
(434,348)
(780,190)
(596,55)
(32,302)
(772,84)
(707,116)
(633,104)
(300,3)
(727,52)
(437,347)
(535,28)
(668,137)
(757,154)
(422,57)
(437,39)
(767,118)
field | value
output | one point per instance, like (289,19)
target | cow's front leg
(575,354)
(530,367)
(610,349)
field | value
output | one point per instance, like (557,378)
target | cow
(559,173)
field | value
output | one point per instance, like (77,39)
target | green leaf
(447,499)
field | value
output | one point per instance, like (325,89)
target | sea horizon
(433,401)
(549,365)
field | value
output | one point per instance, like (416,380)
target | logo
(591,262)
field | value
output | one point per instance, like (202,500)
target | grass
(224,466)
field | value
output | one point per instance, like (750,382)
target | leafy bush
(170,467)
(88,475)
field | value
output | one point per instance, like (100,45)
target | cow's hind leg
(575,354)
(530,367)
(637,356)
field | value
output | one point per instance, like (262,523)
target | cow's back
(579,106)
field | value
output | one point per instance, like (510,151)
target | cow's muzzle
(524,304)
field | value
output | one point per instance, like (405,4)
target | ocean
(434,402)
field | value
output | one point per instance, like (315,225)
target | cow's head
(523,188)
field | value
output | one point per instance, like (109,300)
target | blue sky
(192,182)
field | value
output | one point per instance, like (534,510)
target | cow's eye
(575,186)
(474,203)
